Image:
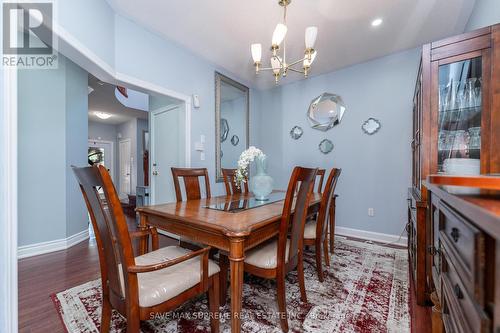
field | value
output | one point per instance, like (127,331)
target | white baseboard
(51,246)
(372,236)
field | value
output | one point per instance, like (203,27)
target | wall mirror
(231,121)
(326,111)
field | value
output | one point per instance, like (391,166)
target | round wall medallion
(325,146)
(371,126)
(296,132)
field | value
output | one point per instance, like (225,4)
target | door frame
(129,140)
(112,166)
(187,134)
(8,203)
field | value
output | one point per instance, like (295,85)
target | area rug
(366,289)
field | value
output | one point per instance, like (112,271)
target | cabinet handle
(455,234)
(458,292)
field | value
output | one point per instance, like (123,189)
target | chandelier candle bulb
(279,34)
(256,52)
(310,39)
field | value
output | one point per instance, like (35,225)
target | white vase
(261,184)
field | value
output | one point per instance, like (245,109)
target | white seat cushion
(310,230)
(159,286)
(266,255)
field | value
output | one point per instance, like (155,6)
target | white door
(125,160)
(101,152)
(168,149)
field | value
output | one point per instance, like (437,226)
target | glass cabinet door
(460,110)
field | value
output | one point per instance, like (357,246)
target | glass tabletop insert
(246,203)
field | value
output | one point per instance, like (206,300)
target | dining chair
(154,282)
(282,254)
(191,178)
(230,184)
(315,231)
(321,175)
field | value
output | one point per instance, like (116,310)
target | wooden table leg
(236,257)
(143,245)
(332,224)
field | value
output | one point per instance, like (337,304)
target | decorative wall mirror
(326,111)
(231,121)
(371,126)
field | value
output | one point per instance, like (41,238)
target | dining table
(231,223)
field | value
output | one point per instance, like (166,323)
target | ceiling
(103,99)
(222,30)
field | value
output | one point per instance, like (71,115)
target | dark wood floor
(43,275)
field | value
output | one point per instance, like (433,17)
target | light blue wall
(41,155)
(52,126)
(76,145)
(375,169)
(91,22)
(485,13)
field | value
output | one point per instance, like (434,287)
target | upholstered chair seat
(266,255)
(310,230)
(159,286)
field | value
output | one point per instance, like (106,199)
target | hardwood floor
(43,275)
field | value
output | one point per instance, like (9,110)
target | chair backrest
(230,184)
(110,225)
(304,179)
(326,201)
(191,182)
(321,176)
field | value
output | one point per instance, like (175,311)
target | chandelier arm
(296,70)
(296,62)
(265,68)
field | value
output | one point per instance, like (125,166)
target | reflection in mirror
(224,129)
(326,111)
(231,119)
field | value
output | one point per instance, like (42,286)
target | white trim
(52,246)
(371,236)
(8,207)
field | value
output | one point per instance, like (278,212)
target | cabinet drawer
(460,309)
(465,245)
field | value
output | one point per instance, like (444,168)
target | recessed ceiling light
(377,22)
(102,115)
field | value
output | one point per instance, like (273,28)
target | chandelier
(279,65)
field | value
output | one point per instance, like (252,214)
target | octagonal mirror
(326,111)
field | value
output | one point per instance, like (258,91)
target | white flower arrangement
(246,157)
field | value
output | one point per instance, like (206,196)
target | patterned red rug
(366,289)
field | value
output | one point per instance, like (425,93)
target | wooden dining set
(219,237)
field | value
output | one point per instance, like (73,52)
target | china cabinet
(456,129)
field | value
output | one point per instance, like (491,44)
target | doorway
(100,152)
(168,149)
(125,168)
